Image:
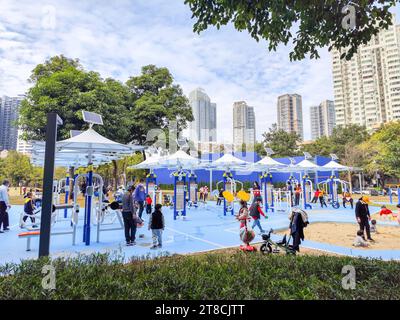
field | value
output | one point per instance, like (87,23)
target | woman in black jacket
(363,216)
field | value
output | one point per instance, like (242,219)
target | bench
(29,235)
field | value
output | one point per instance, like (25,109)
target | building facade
(9,111)
(367,88)
(322,119)
(24,147)
(204,126)
(244,124)
(290,114)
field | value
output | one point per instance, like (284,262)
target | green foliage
(284,144)
(61,85)
(318,23)
(17,168)
(344,142)
(156,103)
(382,150)
(216,276)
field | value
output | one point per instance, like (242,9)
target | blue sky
(116,38)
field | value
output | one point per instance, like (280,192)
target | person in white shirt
(4,205)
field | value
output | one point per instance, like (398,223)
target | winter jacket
(156,220)
(362,210)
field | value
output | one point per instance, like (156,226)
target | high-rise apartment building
(290,114)
(367,88)
(9,110)
(24,147)
(322,119)
(204,126)
(244,124)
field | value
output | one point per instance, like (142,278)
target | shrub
(202,277)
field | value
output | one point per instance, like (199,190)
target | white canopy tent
(335,166)
(228,162)
(178,160)
(151,162)
(267,164)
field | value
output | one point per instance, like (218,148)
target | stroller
(298,221)
(269,246)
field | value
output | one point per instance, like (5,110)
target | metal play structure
(180,162)
(267,165)
(331,185)
(229,163)
(86,149)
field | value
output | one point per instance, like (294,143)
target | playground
(193,224)
(205,228)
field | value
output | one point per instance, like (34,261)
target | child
(157,225)
(373,226)
(29,207)
(322,199)
(316,196)
(385,212)
(359,241)
(149,202)
(256,212)
(347,198)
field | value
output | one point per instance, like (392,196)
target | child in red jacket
(385,212)
(149,202)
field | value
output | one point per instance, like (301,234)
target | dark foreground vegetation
(211,276)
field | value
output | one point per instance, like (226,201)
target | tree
(319,22)
(260,149)
(17,168)
(61,85)
(156,103)
(284,144)
(344,142)
(382,151)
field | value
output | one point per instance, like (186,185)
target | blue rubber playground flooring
(204,229)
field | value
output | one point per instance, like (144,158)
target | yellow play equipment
(229,197)
(241,195)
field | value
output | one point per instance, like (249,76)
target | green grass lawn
(203,277)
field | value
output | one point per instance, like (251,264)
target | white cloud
(117,38)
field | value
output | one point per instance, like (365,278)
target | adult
(297,193)
(363,216)
(129,216)
(205,193)
(140,196)
(220,197)
(289,188)
(83,187)
(4,205)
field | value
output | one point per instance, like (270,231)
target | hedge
(202,277)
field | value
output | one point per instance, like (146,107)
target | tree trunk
(115,174)
(71,182)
